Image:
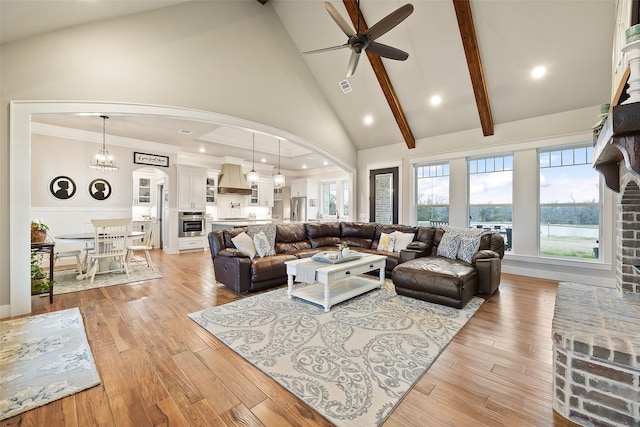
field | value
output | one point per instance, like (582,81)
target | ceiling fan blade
(387,51)
(326,49)
(389,21)
(344,26)
(353,63)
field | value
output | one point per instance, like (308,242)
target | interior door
(383,196)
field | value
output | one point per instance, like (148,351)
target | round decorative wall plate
(62,187)
(100,189)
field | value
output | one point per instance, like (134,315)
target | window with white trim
(491,194)
(570,202)
(432,193)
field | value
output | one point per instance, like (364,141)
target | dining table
(89,237)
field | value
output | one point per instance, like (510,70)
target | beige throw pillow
(244,243)
(386,242)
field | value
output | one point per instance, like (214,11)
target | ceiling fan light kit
(360,42)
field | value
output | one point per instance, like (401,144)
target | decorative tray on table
(332,257)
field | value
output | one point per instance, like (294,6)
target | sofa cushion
(402,240)
(245,243)
(269,231)
(448,246)
(362,230)
(386,242)
(468,246)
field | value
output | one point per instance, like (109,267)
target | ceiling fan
(359,42)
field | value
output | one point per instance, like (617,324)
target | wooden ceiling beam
(383,78)
(474,63)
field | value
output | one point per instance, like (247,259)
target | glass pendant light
(278,179)
(253,175)
(102,160)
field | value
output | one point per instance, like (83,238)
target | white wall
(522,139)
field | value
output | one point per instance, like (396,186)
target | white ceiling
(572,38)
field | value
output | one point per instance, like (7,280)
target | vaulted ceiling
(476,55)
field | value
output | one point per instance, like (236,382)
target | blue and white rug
(43,358)
(354,364)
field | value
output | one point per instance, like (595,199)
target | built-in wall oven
(190,224)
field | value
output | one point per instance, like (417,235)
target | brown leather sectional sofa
(448,277)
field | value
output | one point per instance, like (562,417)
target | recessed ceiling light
(202,150)
(368,120)
(326,163)
(304,166)
(538,72)
(436,100)
(263,160)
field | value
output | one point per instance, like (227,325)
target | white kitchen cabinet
(191,243)
(211,190)
(143,186)
(277,193)
(305,187)
(265,192)
(254,197)
(191,188)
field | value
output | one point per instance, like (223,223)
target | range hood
(232,181)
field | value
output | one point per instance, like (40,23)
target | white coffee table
(337,282)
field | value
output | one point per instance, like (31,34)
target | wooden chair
(69,254)
(110,246)
(146,246)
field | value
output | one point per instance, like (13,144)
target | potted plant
(38,231)
(40,279)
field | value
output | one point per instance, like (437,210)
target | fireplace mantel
(619,140)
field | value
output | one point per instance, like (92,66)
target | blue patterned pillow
(269,231)
(448,246)
(468,247)
(262,244)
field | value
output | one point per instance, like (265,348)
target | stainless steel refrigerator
(299,209)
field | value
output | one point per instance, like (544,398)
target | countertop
(240,222)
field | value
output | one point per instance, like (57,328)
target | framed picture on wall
(100,189)
(150,159)
(62,187)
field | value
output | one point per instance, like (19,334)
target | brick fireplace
(596,331)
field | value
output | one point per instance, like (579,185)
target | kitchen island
(221,224)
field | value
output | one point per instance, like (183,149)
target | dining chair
(110,246)
(69,254)
(146,246)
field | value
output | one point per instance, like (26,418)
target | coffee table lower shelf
(341,290)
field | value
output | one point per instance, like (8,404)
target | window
(329,197)
(345,199)
(569,203)
(491,194)
(432,193)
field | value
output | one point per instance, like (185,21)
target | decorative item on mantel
(602,117)
(632,49)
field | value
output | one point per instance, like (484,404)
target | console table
(46,247)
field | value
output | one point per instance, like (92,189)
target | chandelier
(278,179)
(253,175)
(102,160)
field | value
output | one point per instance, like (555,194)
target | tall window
(432,193)
(329,197)
(569,203)
(345,199)
(491,194)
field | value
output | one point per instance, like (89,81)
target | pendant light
(252,176)
(278,179)
(103,161)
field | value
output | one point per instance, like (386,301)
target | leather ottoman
(437,279)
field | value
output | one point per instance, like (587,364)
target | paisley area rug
(66,279)
(43,358)
(354,364)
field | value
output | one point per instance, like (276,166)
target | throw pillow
(402,240)
(448,246)
(262,244)
(269,230)
(468,247)
(244,243)
(386,242)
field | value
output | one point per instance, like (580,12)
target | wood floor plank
(157,365)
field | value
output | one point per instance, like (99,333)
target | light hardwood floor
(160,368)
